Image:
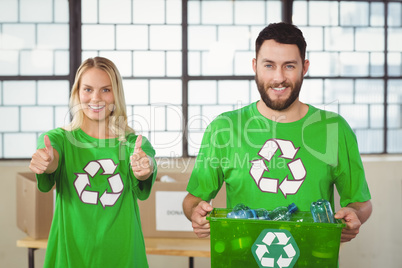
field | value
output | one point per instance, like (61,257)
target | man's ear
(306,65)
(255,65)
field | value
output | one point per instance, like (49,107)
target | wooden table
(188,247)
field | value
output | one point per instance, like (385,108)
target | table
(188,247)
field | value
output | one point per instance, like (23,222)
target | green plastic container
(232,241)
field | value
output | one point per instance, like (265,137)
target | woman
(100,168)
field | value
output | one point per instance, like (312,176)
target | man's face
(279,73)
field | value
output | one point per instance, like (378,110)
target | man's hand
(43,160)
(355,214)
(141,164)
(199,220)
(196,211)
(352,223)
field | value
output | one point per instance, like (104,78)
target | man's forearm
(189,203)
(363,210)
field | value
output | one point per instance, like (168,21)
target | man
(279,150)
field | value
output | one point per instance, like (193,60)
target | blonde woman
(100,169)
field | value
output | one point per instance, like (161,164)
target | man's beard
(278,105)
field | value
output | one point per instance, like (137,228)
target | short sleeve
(207,177)
(350,177)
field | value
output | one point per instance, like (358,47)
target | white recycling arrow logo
(91,169)
(275,248)
(296,167)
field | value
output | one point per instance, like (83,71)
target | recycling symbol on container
(296,167)
(82,182)
(275,248)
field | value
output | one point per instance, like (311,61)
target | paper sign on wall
(169,211)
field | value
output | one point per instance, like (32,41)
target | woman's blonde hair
(118,118)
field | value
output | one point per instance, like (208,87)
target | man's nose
(279,76)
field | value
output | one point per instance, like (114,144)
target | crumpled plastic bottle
(283,213)
(241,211)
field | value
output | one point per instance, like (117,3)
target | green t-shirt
(96,221)
(266,164)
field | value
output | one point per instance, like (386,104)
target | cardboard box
(162,213)
(34,208)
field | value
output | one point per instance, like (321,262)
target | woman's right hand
(43,160)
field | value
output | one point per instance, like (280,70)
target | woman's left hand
(141,163)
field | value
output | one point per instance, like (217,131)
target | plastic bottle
(322,211)
(241,211)
(283,213)
(262,214)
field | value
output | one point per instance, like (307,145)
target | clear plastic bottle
(283,213)
(241,211)
(322,211)
(262,214)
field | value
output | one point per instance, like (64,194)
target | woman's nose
(96,95)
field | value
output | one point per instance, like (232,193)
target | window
(356,66)
(185,62)
(34,69)
(221,36)
(144,40)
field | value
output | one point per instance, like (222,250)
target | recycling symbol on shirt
(275,248)
(82,182)
(296,167)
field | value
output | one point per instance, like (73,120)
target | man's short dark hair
(284,33)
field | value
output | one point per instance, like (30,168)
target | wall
(380,240)
(377,245)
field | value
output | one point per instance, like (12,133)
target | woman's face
(96,95)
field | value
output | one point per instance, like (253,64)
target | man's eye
(290,67)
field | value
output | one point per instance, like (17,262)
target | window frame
(75,51)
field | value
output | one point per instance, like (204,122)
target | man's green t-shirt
(266,164)
(96,221)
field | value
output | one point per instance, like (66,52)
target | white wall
(378,244)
